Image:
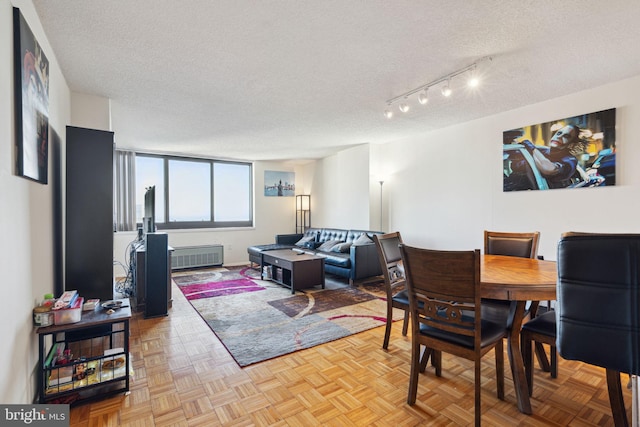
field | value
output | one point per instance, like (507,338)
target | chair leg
(499,350)
(387,328)
(478,409)
(405,325)
(554,362)
(615,399)
(541,355)
(415,371)
(436,361)
(425,358)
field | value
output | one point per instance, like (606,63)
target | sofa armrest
(364,261)
(288,239)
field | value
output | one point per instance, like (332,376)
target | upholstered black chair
(394,282)
(444,297)
(598,306)
(523,245)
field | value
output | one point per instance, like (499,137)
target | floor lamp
(381,182)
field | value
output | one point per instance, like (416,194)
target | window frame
(177,225)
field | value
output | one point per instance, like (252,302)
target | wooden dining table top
(516,279)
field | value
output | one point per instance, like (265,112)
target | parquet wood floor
(183,376)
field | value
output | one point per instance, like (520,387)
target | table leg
(515,357)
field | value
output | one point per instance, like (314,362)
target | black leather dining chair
(598,306)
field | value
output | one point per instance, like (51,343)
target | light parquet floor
(183,376)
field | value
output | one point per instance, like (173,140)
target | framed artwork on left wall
(31,76)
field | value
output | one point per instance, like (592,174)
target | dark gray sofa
(356,258)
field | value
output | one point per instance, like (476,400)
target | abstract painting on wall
(573,152)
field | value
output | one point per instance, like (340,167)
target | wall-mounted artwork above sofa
(279,184)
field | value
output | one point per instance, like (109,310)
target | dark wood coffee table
(292,269)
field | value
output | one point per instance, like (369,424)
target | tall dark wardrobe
(88,234)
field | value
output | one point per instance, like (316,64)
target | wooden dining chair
(394,282)
(444,299)
(523,245)
(541,330)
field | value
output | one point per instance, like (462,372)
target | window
(195,193)
(189,190)
(149,171)
(231,192)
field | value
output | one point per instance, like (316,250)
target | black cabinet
(88,238)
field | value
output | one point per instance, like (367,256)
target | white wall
(90,111)
(340,195)
(27,217)
(445,187)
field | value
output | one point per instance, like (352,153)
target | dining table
(521,281)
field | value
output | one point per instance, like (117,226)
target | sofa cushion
(256,249)
(363,239)
(304,242)
(327,234)
(334,258)
(326,246)
(342,247)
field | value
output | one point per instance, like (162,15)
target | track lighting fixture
(446,91)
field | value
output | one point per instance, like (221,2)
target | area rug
(258,320)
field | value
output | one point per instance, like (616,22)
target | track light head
(423,98)
(403,107)
(388,114)
(446,89)
(473,81)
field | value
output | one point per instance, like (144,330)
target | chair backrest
(523,245)
(389,256)
(447,283)
(598,300)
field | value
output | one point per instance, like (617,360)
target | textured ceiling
(281,80)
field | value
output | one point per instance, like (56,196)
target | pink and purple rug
(258,320)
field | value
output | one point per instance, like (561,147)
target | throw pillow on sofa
(304,242)
(341,247)
(326,246)
(363,239)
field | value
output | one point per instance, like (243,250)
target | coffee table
(292,269)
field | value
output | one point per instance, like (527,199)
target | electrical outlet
(230,248)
